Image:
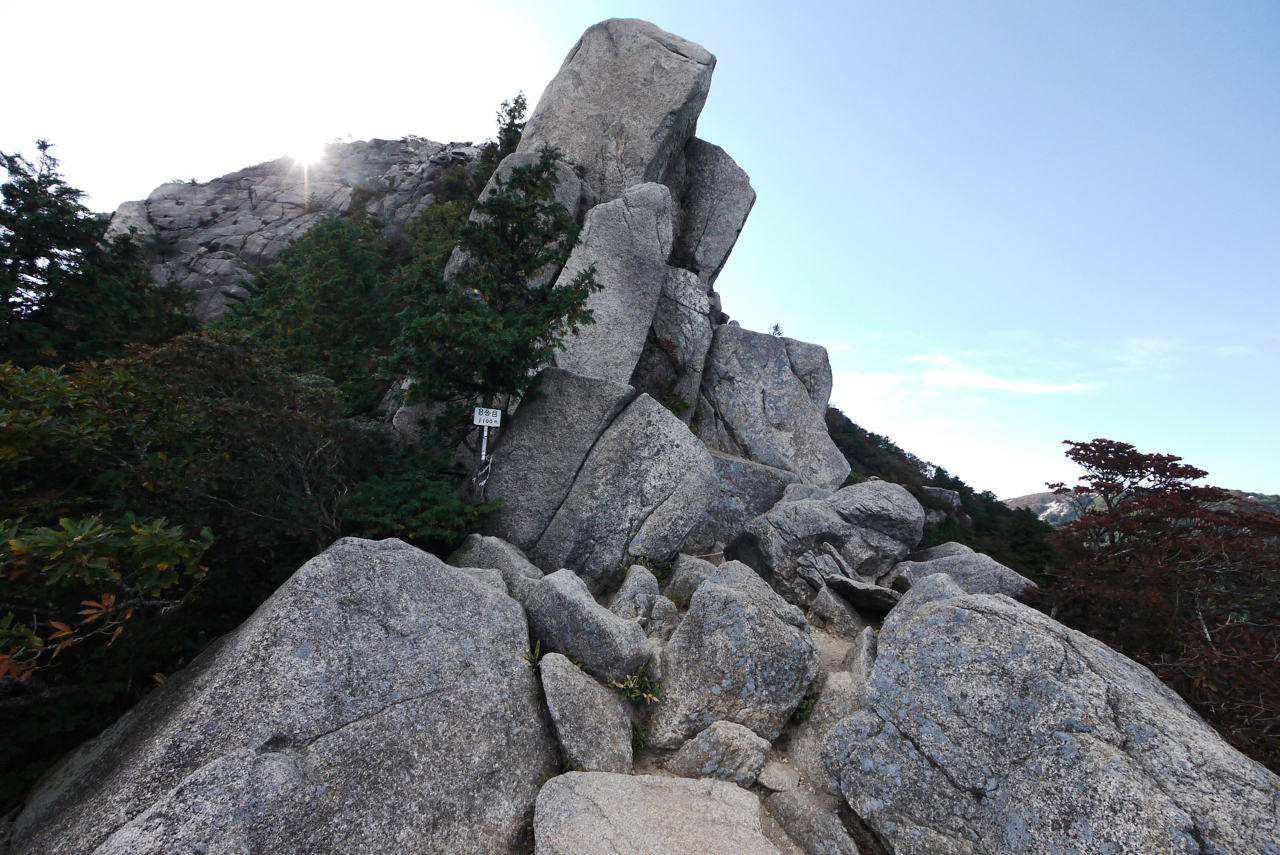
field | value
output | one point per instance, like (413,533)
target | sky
(1011,224)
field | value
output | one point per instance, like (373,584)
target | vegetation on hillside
(1180,577)
(1014,538)
(161,483)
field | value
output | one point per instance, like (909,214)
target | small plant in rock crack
(638,688)
(534,656)
(639,737)
(805,709)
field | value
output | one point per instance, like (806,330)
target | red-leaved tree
(1181,577)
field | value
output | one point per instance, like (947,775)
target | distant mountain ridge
(1056,510)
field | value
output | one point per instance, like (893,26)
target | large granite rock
(678,342)
(717,197)
(724,751)
(587,813)
(592,722)
(741,654)
(375,674)
(206,237)
(809,821)
(623,105)
(494,553)
(634,598)
(975,573)
(860,533)
(990,728)
(642,488)
(565,618)
(627,241)
(746,490)
(753,405)
(542,449)
(812,368)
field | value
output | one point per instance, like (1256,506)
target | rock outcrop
(724,751)
(858,533)
(989,728)
(746,490)
(741,654)
(642,488)
(207,237)
(627,241)
(754,405)
(374,675)
(565,618)
(717,199)
(623,105)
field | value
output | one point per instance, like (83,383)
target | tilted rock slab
(588,813)
(676,350)
(753,405)
(627,241)
(566,619)
(716,199)
(375,674)
(741,654)
(859,532)
(592,722)
(209,236)
(991,728)
(975,573)
(746,490)
(642,488)
(542,448)
(494,553)
(623,105)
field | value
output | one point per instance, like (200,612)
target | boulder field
(681,632)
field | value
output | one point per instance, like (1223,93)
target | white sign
(487,418)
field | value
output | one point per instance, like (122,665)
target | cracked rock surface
(989,728)
(754,405)
(208,236)
(373,675)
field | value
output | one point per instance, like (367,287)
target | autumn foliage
(1181,577)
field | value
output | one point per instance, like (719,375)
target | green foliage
(413,504)
(483,332)
(329,306)
(65,292)
(638,688)
(1016,539)
(805,708)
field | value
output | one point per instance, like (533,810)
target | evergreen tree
(66,293)
(482,333)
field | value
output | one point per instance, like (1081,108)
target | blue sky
(1010,223)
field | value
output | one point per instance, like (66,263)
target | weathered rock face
(628,241)
(207,237)
(741,654)
(678,344)
(859,532)
(542,449)
(724,751)
(717,198)
(634,598)
(374,675)
(639,492)
(746,490)
(591,721)
(753,405)
(494,553)
(623,105)
(566,619)
(974,573)
(586,813)
(990,728)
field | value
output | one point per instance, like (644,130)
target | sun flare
(306,154)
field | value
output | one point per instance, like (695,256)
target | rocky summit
(682,631)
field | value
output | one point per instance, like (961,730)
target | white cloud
(951,374)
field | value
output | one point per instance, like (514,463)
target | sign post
(486,418)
